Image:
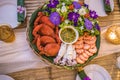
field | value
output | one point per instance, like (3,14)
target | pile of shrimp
(85,47)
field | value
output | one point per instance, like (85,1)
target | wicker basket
(33,47)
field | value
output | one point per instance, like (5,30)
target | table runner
(18,56)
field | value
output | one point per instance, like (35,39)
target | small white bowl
(76,33)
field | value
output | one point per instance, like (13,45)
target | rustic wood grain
(54,73)
(113,17)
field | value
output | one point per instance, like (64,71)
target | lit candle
(111,34)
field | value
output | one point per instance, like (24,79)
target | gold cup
(6,33)
(113,34)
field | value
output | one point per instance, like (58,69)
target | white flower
(66,21)
(92,31)
(97,22)
(58,9)
(75,10)
(93,22)
(76,0)
(82,11)
(63,4)
(45,5)
(81,27)
(63,9)
(80,19)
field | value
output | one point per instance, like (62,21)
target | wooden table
(54,73)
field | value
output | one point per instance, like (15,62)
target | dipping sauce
(6,33)
(68,35)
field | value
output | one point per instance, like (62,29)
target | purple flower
(55,18)
(88,24)
(86,5)
(48,10)
(107,2)
(53,3)
(72,16)
(20,9)
(76,5)
(97,27)
(93,14)
(86,78)
(75,23)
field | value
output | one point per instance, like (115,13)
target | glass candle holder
(112,34)
(6,33)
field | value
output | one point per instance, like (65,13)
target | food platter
(51,58)
(52,53)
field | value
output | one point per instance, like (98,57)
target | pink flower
(20,9)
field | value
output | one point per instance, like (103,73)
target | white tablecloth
(18,56)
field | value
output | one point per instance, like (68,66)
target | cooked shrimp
(92,45)
(88,53)
(79,60)
(86,41)
(79,46)
(79,42)
(79,51)
(80,38)
(93,38)
(85,55)
(87,37)
(82,58)
(90,41)
(86,46)
(93,50)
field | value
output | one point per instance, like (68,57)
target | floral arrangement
(80,29)
(46,23)
(71,12)
(83,33)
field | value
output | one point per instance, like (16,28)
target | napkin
(107,6)
(20,10)
(18,55)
